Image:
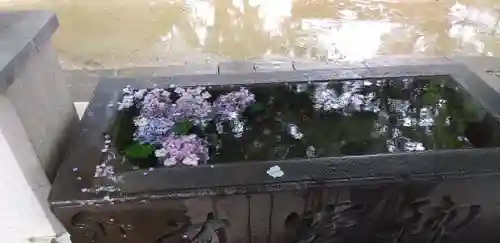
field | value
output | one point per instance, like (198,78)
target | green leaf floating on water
(183,127)
(139,151)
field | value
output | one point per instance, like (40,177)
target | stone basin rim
(402,166)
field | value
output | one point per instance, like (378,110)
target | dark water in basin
(358,118)
(342,118)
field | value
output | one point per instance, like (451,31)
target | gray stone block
(43,103)
(21,33)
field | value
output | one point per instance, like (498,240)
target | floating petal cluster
(130,96)
(228,108)
(186,149)
(152,131)
(192,106)
(400,143)
(161,111)
(155,103)
(350,98)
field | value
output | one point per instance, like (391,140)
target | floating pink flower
(186,149)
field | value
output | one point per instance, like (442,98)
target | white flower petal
(275,172)
(161,153)
(205,95)
(191,160)
(141,121)
(169,162)
(179,90)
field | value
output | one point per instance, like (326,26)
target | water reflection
(279,121)
(357,118)
(133,32)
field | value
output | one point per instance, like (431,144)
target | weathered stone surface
(273,65)
(41,97)
(309,65)
(171,70)
(26,213)
(405,66)
(81,84)
(236,67)
(20,35)
(404,60)
(31,78)
(344,64)
(487,68)
(260,209)
(36,114)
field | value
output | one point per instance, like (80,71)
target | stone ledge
(82,82)
(21,34)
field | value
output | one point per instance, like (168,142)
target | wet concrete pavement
(116,34)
